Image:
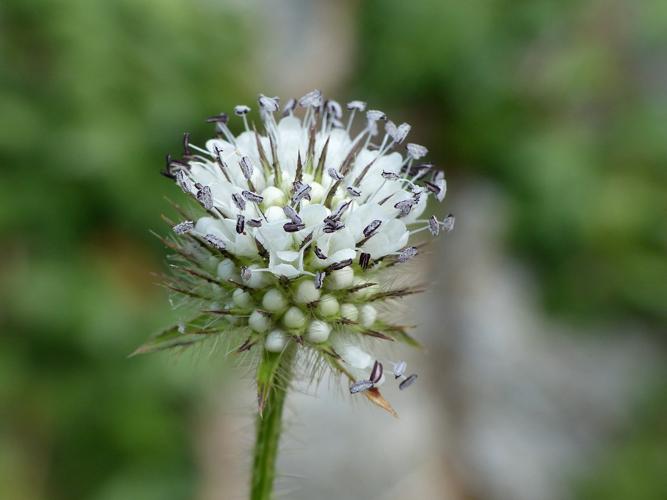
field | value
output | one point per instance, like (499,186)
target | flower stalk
(269,422)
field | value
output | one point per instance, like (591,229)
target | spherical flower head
(296,226)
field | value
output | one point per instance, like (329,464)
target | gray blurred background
(543,376)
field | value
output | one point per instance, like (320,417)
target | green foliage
(93,94)
(561,103)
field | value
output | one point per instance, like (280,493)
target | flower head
(296,227)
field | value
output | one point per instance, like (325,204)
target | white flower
(298,222)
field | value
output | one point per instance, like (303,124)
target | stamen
(254,222)
(332,225)
(241,110)
(246,273)
(253,197)
(416,151)
(390,176)
(292,215)
(434,226)
(301,191)
(215,241)
(184,227)
(184,182)
(293,227)
(406,254)
(219,118)
(408,382)
(335,174)
(404,206)
(268,104)
(238,201)
(372,228)
(312,99)
(361,386)
(334,109)
(353,191)
(319,253)
(240,224)
(246,167)
(319,279)
(402,132)
(376,372)
(399,369)
(204,196)
(364,260)
(356,105)
(289,107)
(374,115)
(336,266)
(448,223)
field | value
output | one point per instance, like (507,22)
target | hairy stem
(269,429)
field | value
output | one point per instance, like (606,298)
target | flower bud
(318,331)
(227,270)
(349,312)
(343,278)
(306,292)
(328,306)
(273,197)
(367,315)
(259,321)
(274,300)
(275,341)
(294,318)
(241,298)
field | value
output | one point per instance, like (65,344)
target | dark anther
(434,226)
(408,382)
(319,279)
(335,174)
(376,372)
(241,110)
(219,118)
(246,167)
(375,115)
(292,227)
(332,225)
(184,227)
(319,253)
(246,273)
(186,144)
(215,241)
(240,224)
(372,228)
(254,222)
(204,196)
(269,104)
(301,191)
(364,260)
(406,254)
(291,214)
(339,265)
(253,197)
(390,176)
(311,99)
(405,206)
(238,201)
(353,191)
(361,386)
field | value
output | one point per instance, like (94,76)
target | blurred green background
(562,104)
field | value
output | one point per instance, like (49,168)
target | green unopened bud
(318,331)
(274,300)
(367,315)
(349,312)
(241,298)
(259,321)
(294,318)
(306,292)
(328,306)
(275,341)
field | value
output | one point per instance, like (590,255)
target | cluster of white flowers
(301,219)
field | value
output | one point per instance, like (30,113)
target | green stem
(269,429)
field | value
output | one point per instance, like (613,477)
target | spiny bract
(301,221)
